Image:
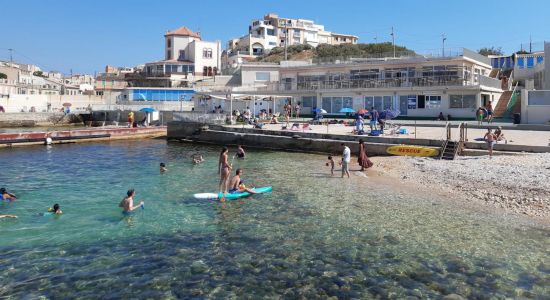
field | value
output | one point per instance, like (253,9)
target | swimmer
(240,152)
(5,195)
(237,184)
(330,163)
(197,159)
(56,209)
(8,217)
(128,202)
(163,167)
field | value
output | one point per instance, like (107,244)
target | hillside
(324,51)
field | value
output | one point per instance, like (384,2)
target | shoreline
(506,183)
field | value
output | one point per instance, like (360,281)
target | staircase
(450,150)
(500,109)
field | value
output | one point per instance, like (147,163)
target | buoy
(49,141)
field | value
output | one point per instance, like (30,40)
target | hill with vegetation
(324,51)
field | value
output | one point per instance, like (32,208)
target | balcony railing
(430,81)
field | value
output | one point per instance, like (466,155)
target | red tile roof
(183,31)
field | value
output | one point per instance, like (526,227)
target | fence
(197,117)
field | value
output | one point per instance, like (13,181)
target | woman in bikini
(223,169)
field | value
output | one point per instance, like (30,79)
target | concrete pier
(80,135)
(305,141)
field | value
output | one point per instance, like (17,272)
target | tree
(3,76)
(490,51)
(38,73)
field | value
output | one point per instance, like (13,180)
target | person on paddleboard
(237,184)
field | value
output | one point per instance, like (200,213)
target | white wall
(16,103)
(535,114)
(200,61)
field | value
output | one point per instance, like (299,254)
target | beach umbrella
(147,109)
(67,104)
(362,111)
(320,110)
(389,114)
(347,110)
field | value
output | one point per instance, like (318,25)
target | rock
(199,267)
(453,297)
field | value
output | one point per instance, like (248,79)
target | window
(262,76)
(433,102)
(207,53)
(309,101)
(270,31)
(181,55)
(369,102)
(168,43)
(168,55)
(530,62)
(272,44)
(521,62)
(462,101)
(421,101)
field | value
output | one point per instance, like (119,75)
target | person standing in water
(127,203)
(362,157)
(224,170)
(240,152)
(346,158)
(491,140)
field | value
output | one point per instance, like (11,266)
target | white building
(273,31)
(187,54)
(417,86)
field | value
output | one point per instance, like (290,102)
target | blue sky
(87,35)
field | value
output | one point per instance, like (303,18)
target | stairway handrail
(511,98)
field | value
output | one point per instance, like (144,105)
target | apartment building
(417,86)
(273,31)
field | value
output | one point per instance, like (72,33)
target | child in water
(56,209)
(163,167)
(330,163)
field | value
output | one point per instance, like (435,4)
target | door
(484,100)
(403,105)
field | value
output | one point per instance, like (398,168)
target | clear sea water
(312,237)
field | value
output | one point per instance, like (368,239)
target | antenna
(393,41)
(11,56)
(530,45)
(443,39)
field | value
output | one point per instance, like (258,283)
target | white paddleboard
(206,196)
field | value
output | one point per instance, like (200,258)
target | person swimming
(56,209)
(163,167)
(197,159)
(240,152)
(5,195)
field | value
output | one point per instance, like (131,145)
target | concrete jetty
(309,141)
(80,135)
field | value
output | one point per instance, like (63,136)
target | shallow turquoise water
(313,237)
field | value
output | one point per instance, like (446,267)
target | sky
(84,36)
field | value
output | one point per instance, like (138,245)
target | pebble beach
(518,184)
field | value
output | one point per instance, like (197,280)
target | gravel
(519,183)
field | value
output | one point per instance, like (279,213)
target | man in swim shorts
(127,203)
(237,185)
(491,140)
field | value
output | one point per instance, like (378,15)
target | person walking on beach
(346,158)
(223,169)
(127,203)
(297,110)
(480,113)
(362,157)
(490,138)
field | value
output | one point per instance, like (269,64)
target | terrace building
(418,86)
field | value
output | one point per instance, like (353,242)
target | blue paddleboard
(232,196)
